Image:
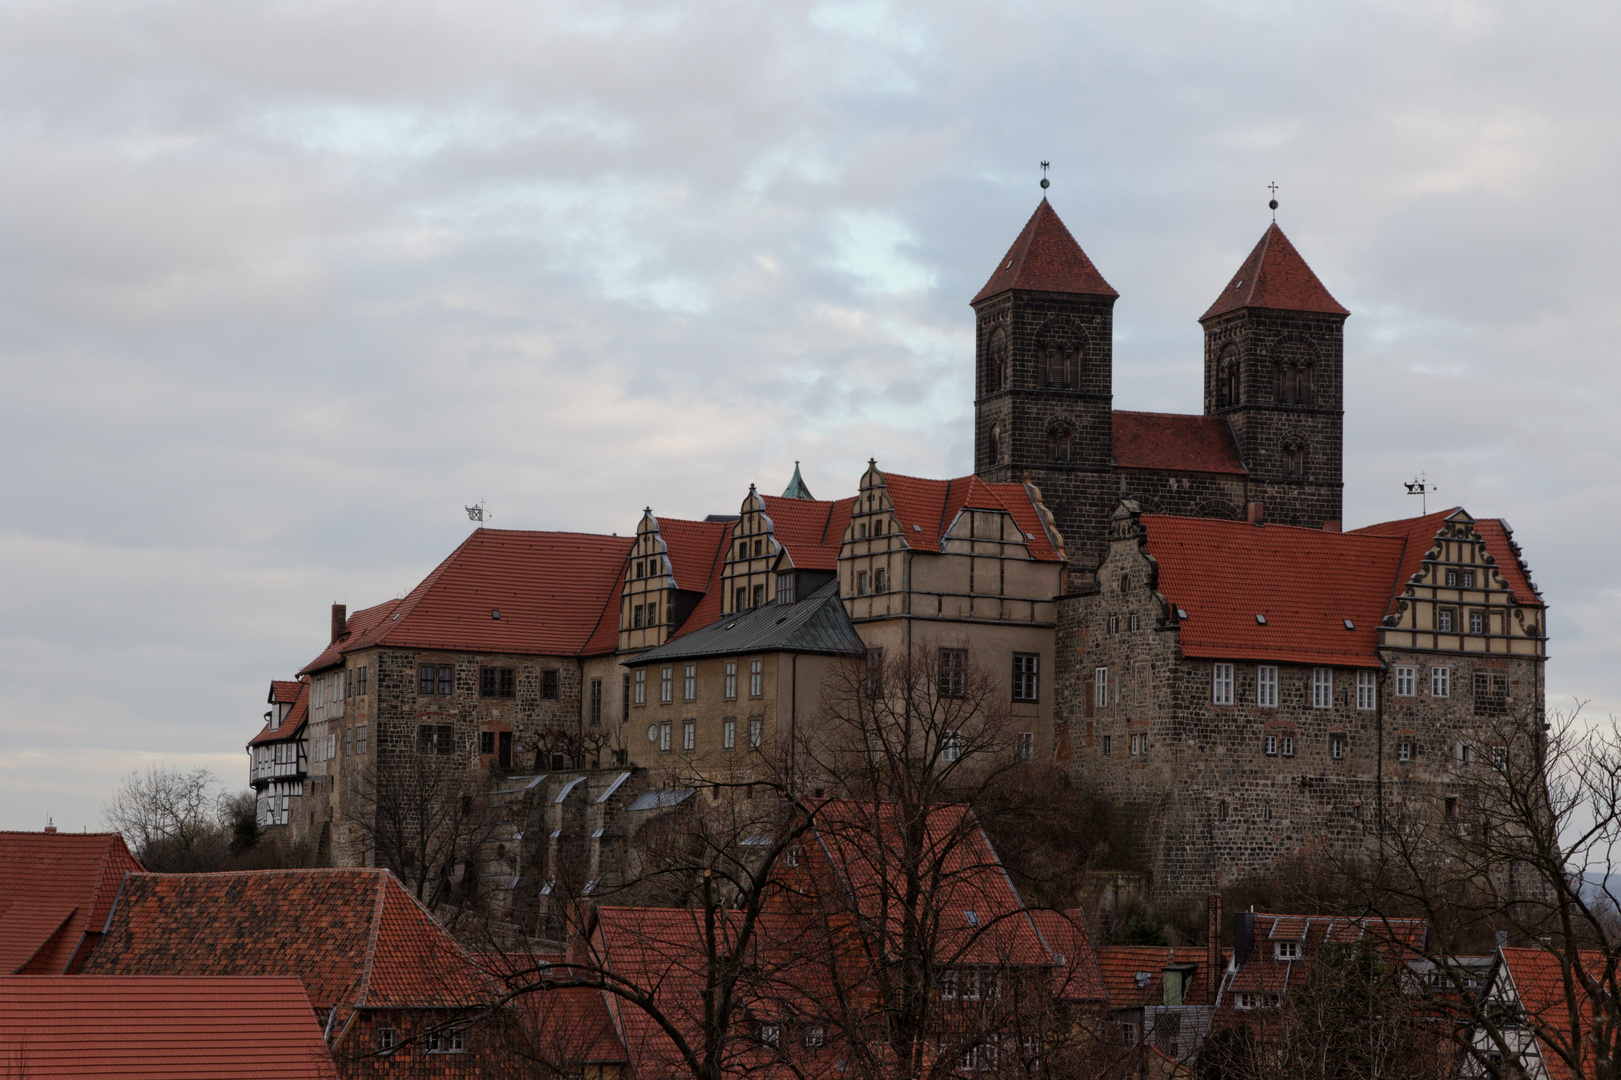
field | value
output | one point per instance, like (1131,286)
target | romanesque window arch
(994,443)
(1229,379)
(997,350)
(1294,382)
(1060,364)
(1060,442)
(1294,458)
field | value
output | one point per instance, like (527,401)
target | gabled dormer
(748,577)
(670,567)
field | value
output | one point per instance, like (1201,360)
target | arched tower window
(1229,384)
(995,442)
(997,374)
(1060,364)
(1294,383)
(1060,442)
(1294,458)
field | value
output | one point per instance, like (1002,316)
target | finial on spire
(1273,204)
(1045,183)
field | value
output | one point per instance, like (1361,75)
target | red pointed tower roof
(1046,258)
(1276,277)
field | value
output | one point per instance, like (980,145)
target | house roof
(158,1027)
(551,589)
(1305,583)
(1419,535)
(355,938)
(1274,276)
(810,529)
(1176,442)
(817,624)
(570,1025)
(695,549)
(796,488)
(1065,932)
(56,889)
(926,510)
(1263,972)
(1045,258)
(1538,976)
(1135,974)
(295,719)
(284,691)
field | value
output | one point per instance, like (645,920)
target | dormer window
(1286,950)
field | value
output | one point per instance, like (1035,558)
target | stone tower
(1044,326)
(1274,366)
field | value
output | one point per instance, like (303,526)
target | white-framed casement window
(1286,745)
(640,696)
(731,680)
(1139,744)
(1221,684)
(1404,750)
(1026,677)
(771,1034)
(756,678)
(1336,746)
(1440,682)
(387,1039)
(1499,756)
(1100,687)
(1024,749)
(1406,680)
(664,737)
(1367,690)
(666,683)
(1266,687)
(1322,688)
(1465,754)
(950,746)
(689,735)
(1270,744)
(728,734)
(689,683)
(756,732)
(1286,950)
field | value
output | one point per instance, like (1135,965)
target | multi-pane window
(1270,744)
(731,680)
(652,614)
(360,740)
(387,1039)
(689,734)
(486,742)
(1024,748)
(728,734)
(785,588)
(1221,684)
(1134,623)
(435,739)
(689,683)
(740,598)
(875,672)
(1139,745)
(1445,619)
(1440,682)
(594,710)
(1336,747)
(664,737)
(1114,624)
(878,582)
(861,583)
(759,595)
(1406,682)
(548,684)
(950,746)
(636,617)
(1100,687)
(641,686)
(952,674)
(1322,688)
(1477,622)
(1108,744)
(1286,745)
(1499,757)
(756,732)
(497,682)
(1266,687)
(1366,690)
(436,679)
(756,678)
(1026,677)
(360,680)
(1404,750)
(666,683)
(1465,754)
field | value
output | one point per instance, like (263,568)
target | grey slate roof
(816,624)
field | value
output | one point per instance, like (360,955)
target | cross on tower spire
(1273,204)
(1045,183)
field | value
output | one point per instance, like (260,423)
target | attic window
(1349,625)
(917,528)
(1260,619)
(1181,613)
(1143,979)
(495,613)
(1287,950)
(1239,284)
(970,918)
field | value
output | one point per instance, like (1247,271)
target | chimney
(1331,526)
(1212,948)
(340,620)
(1255,513)
(1243,937)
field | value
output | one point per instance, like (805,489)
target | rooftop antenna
(476,512)
(1045,183)
(1273,203)
(1421,487)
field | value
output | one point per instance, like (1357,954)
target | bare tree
(171,820)
(426,818)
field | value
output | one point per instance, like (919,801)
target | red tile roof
(56,889)
(1263,972)
(1276,277)
(569,1025)
(1539,980)
(1080,979)
(811,530)
(1419,536)
(1122,964)
(356,938)
(159,1028)
(695,550)
(295,719)
(1046,258)
(551,589)
(285,691)
(927,509)
(1305,583)
(1176,442)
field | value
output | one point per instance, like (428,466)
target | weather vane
(1273,204)
(1420,486)
(476,511)
(1045,183)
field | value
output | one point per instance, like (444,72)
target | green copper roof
(796,488)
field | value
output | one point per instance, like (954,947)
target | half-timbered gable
(780,543)
(671,568)
(278,757)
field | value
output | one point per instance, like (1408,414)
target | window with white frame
(1440,681)
(1221,684)
(1026,677)
(1270,744)
(1108,744)
(756,732)
(666,683)
(1367,689)
(1025,747)
(1322,688)
(731,680)
(1404,750)
(1286,745)
(950,746)
(1266,687)
(664,737)
(387,1039)
(641,686)
(756,678)
(728,734)
(1336,746)
(1286,950)
(689,683)
(1465,754)
(689,735)
(1100,687)
(1406,683)
(1139,744)
(1499,757)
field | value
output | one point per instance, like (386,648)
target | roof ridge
(371,943)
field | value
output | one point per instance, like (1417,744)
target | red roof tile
(1264,972)
(285,691)
(1065,933)
(1274,276)
(569,1025)
(551,589)
(927,509)
(1175,442)
(811,530)
(97,1026)
(356,938)
(295,719)
(695,550)
(1419,536)
(1122,966)
(1539,980)
(1305,583)
(56,889)
(1046,258)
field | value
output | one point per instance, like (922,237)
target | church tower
(1274,367)
(1044,328)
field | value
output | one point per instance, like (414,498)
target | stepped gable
(550,587)
(355,938)
(926,510)
(1419,535)
(1175,442)
(295,719)
(1276,277)
(113,1028)
(1305,582)
(55,894)
(1046,258)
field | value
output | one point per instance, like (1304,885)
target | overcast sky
(285,285)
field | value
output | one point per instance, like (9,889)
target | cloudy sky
(284,285)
